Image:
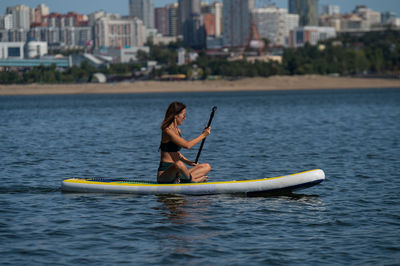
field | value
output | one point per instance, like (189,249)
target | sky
(121,6)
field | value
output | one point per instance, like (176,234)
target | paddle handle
(208,125)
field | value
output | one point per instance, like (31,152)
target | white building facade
(16,35)
(120,55)
(119,33)
(12,50)
(21,16)
(370,17)
(6,22)
(66,37)
(36,49)
(275,24)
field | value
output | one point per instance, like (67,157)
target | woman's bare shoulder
(168,133)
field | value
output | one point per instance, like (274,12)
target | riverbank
(251,84)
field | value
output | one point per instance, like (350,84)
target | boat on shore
(271,185)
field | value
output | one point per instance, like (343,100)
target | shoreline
(273,83)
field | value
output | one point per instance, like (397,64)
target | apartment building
(111,31)
(274,24)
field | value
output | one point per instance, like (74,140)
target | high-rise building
(44,10)
(144,10)
(38,13)
(306,9)
(160,20)
(21,16)
(236,21)
(292,21)
(191,24)
(166,20)
(119,33)
(6,22)
(186,9)
(215,9)
(209,24)
(172,20)
(92,17)
(274,24)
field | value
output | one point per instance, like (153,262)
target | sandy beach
(251,84)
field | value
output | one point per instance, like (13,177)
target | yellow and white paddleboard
(249,187)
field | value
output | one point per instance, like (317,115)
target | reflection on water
(184,209)
(173,207)
(188,223)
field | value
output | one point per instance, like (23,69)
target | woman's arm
(187,144)
(185,160)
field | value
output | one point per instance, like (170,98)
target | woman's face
(180,117)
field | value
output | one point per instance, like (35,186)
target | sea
(352,218)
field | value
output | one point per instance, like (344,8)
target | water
(351,218)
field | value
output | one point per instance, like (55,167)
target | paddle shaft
(208,125)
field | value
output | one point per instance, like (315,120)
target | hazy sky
(121,6)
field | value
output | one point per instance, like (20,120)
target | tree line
(371,53)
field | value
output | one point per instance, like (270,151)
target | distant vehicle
(173,77)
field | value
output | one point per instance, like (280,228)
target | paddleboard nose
(320,174)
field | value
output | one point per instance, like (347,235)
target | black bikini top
(170,146)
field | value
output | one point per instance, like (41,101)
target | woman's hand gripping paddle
(208,125)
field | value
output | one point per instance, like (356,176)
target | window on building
(300,37)
(14,52)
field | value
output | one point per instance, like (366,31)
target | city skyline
(122,6)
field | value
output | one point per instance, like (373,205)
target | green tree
(49,76)
(376,60)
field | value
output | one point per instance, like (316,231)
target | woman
(172,167)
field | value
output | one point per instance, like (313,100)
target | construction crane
(253,40)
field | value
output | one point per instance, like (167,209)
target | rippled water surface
(351,218)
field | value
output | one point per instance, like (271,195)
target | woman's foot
(200,179)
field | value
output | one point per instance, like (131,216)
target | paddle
(208,125)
